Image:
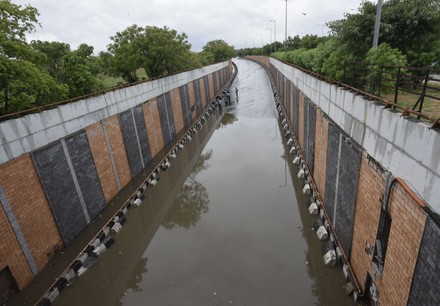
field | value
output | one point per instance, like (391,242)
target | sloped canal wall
(376,177)
(61,167)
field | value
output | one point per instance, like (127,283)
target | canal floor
(226,224)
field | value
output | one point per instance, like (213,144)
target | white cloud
(239,22)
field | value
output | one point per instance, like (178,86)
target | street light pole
(275,33)
(261,44)
(285,30)
(377,23)
(270,39)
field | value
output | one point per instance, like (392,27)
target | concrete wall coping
(406,147)
(23,135)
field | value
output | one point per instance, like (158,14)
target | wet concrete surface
(226,224)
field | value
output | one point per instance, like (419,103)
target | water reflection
(192,202)
(228,119)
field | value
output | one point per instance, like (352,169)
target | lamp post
(270,39)
(275,33)
(285,29)
(261,44)
(377,23)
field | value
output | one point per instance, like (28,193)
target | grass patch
(109,81)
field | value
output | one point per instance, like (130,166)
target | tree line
(41,72)
(409,36)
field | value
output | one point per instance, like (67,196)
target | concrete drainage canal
(229,223)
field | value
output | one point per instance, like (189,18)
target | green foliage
(158,50)
(219,49)
(383,55)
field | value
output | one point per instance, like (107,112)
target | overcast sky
(241,23)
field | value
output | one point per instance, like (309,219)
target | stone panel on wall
(149,124)
(349,164)
(131,142)
(86,173)
(58,184)
(331,170)
(176,103)
(192,100)
(310,139)
(296,111)
(170,115)
(184,101)
(142,134)
(198,96)
(206,89)
(288,106)
(424,290)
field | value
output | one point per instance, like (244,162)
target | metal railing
(410,89)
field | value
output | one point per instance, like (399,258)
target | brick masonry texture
(101,156)
(426,279)
(141,128)
(85,170)
(117,147)
(149,124)
(154,108)
(11,254)
(347,189)
(211,87)
(177,106)
(131,142)
(21,184)
(58,183)
(321,138)
(372,182)
(408,222)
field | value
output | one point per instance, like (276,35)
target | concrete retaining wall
(59,168)
(363,159)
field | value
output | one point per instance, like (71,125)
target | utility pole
(275,33)
(377,23)
(270,39)
(285,30)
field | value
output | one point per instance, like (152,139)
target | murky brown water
(226,225)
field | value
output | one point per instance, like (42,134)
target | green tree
(23,83)
(158,51)
(219,49)
(53,54)
(79,72)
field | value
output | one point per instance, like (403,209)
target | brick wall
(211,87)
(177,106)
(101,156)
(23,189)
(321,137)
(157,123)
(372,182)
(117,147)
(408,222)
(11,254)
(52,193)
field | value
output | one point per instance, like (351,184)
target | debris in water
(307,262)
